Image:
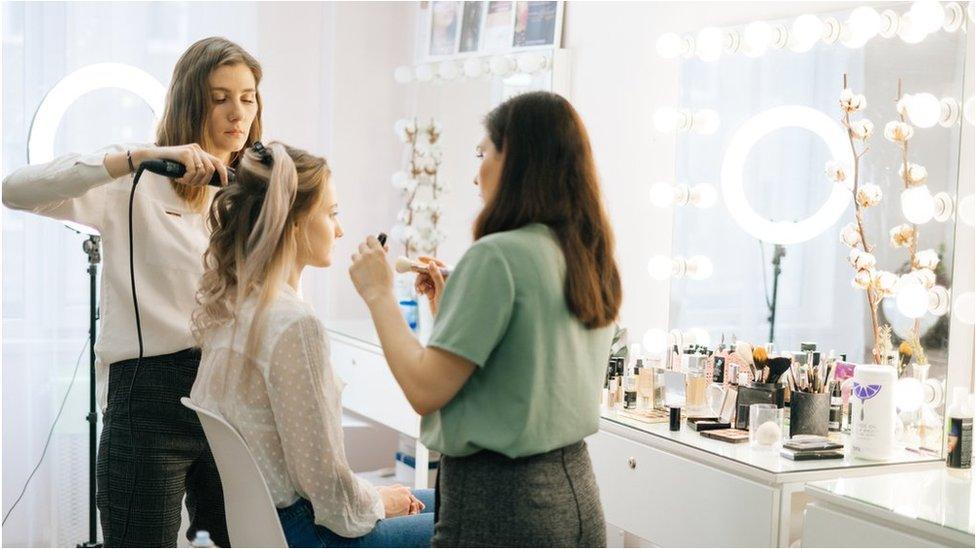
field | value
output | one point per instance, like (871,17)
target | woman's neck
(294,279)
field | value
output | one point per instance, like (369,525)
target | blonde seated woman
(265,357)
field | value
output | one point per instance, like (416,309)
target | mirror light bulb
(924,109)
(965,308)
(703,196)
(706,121)
(667,119)
(967,210)
(909,394)
(670,45)
(929,15)
(917,204)
(662,194)
(501,66)
(912,300)
(709,44)
(805,32)
(424,73)
(699,267)
(909,30)
(863,24)
(660,267)
(448,70)
(655,341)
(756,38)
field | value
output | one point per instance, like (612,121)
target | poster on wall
(535,24)
(444,26)
(471,27)
(498,26)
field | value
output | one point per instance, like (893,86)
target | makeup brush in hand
(407,265)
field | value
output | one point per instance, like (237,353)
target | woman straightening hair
(149,460)
(266,366)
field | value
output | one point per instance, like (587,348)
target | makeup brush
(406,265)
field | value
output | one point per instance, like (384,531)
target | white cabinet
(674,502)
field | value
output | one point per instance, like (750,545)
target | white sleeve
(305,396)
(68,188)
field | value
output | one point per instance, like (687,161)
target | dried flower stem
(913,244)
(872,296)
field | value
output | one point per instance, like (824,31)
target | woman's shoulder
(515,245)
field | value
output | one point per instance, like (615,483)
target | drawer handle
(632,462)
(354,362)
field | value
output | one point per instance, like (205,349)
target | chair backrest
(252,520)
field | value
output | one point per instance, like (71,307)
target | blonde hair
(255,225)
(188,102)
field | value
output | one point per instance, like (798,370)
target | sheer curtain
(45,283)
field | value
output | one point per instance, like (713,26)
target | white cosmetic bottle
(873,412)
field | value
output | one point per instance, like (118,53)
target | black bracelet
(128,156)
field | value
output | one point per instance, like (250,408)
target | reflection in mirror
(758,132)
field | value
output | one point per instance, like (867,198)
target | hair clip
(264,153)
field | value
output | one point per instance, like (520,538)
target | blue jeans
(298,522)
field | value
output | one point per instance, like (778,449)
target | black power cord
(174,170)
(49,435)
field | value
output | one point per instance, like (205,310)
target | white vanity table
(371,391)
(681,489)
(920,509)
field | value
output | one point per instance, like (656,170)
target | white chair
(252,520)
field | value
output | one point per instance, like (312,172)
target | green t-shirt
(537,385)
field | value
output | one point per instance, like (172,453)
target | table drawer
(674,502)
(371,389)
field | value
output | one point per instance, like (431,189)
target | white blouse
(285,401)
(169,242)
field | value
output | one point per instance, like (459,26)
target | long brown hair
(549,177)
(188,102)
(256,224)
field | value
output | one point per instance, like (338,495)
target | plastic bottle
(959,454)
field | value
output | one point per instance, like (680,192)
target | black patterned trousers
(144,473)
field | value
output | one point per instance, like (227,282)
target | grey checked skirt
(546,500)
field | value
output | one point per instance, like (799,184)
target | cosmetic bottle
(836,418)
(959,453)
(630,389)
(645,386)
(696,385)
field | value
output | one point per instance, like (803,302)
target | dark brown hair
(549,177)
(188,101)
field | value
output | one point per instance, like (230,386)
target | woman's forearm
(403,352)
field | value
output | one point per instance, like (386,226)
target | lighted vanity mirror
(764,129)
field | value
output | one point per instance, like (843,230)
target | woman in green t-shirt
(508,385)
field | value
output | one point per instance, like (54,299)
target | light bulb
(669,119)
(756,38)
(912,300)
(403,74)
(531,63)
(448,70)
(929,15)
(660,267)
(938,301)
(917,204)
(703,196)
(924,109)
(698,336)
(908,394)
(670,45)
(967,210)
(699,267)
(805,32)
(909,30)
(424,73)
(706,121)
(474,67)
(863,24)
(969,111)
(662,194)
(501,65)
(655,341)
(709,43)
(965,307)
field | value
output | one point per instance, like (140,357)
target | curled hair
(255,224)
